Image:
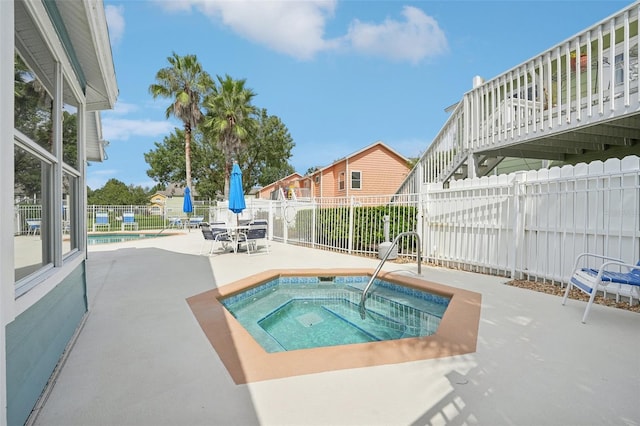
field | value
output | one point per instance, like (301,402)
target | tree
(116,193)
(229,120)
(166,160)
(187,84)
(266,158)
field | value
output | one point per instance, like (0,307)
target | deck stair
(551,107)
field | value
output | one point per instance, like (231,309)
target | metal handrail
(384,258)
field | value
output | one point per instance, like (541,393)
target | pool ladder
(363,311)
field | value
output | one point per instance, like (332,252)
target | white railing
(579,82)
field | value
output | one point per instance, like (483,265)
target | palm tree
(187,84)
(230,120)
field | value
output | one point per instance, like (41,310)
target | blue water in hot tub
(290,313)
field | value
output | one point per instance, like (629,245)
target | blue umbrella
(236,194)
(187,206)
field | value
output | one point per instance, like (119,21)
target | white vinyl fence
(534,224)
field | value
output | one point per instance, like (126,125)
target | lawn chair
(102,220)
(613,276)
(217,233)
(175,222)
(257,232)
(33,226)
(129,219)
(195,222)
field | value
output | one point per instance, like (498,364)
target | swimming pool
(94,239)
(290,313)
(247,361)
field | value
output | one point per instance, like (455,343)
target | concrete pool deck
(142,358)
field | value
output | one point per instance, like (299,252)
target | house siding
(36,340)
(381,172)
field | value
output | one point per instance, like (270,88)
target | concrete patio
(141,357)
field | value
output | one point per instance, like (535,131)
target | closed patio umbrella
(236,194)
(187,205)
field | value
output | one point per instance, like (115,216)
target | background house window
(356,180)
(619,70)
(341,181)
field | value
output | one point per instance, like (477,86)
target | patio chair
(612,276)
(256,233)
(195,222)
(215,234)
(33,226)
(175,222)
(102,220)
(128,219)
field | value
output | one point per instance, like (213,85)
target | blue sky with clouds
(340,74)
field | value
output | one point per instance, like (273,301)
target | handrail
(384,258)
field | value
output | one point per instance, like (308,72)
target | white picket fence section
(534,224)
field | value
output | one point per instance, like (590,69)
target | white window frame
(351,180)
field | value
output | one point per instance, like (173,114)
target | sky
(340,74)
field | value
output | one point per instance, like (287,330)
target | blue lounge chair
(102,220)
(612,276)
(33,226)
(129,219)
(195,222)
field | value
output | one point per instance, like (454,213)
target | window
(31,241)
(341,181)
(47,182)
(619,69)
(356,180)
(69,212)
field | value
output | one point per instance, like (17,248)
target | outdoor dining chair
(216,234)
(611,276)
(257,233)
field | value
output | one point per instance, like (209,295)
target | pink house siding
(382,170)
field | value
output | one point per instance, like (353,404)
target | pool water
(290,313)
(118,238)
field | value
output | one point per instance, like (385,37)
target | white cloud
(122,108)
(115,22)
(419,36)
(297,28)
(123,129)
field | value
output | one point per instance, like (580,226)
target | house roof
(174,190)
(366,148)
(294,175)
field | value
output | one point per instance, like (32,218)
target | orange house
(374,170)
(287,185)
